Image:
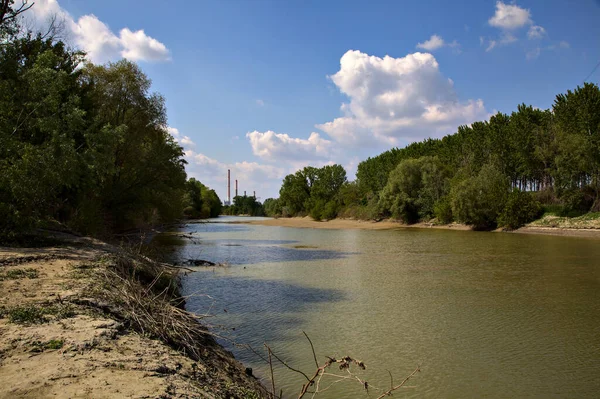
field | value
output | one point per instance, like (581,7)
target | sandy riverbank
(336,224)
(67,332)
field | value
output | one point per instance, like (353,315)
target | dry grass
(146,294)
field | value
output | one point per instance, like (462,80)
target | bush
(479,200)
(520,209)
(442,210)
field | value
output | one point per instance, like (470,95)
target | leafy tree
(413,188)
(479,200)
(520,209)
(272,207)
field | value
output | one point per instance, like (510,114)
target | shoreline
(354,224)
(87,319)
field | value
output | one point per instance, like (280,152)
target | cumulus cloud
(278,146)
(396,99)
(536,32)
(510,16)
(97,39)
(260,102)
(435,42)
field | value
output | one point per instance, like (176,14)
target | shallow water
(484,314)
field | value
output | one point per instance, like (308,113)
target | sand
(336,224)
(87,353)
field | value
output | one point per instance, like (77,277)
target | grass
(53,344)
(16,274)
(550,219)
(27,315)
(33,314)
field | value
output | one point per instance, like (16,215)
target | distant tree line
(84,145)
(244,205)
(500,172)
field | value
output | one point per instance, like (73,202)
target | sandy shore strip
(63,338)
(352,224)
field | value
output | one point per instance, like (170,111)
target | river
(484,314)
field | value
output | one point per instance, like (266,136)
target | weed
(54,344)
(37,314)
(27,315)
(16,274)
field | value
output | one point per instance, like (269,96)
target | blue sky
(267,87)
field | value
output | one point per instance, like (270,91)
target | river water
(484,314)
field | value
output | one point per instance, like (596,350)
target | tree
(478,200)
(413,188)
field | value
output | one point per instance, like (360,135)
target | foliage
(244,205)
(479,200)
(272,207)
(314,191)
(442,210)
(413,188)
(84,145)
(520,209)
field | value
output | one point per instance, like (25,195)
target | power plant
(229,200)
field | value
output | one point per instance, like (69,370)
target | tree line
(84,145)
(500,172)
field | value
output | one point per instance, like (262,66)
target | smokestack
(236,188)
(244,193)
(254,194)
(229,186)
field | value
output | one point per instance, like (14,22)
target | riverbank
(86,319)
(337,224)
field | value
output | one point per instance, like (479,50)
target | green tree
(479,200)
(413,188)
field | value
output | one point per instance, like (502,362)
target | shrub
(479,200)
(521,208)
(442,210)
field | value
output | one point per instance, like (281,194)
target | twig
(311,347)
(389,391)
(271,369)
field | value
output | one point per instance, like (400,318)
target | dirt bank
(336,224)
(71,326)
(307,222)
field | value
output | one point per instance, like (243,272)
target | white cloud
(173,132)
(251,176)
(510,16)
(434,43)
(491,45)
(396,99)
(97,39)
(187,142)
(139,46)
(536,32)
(277,146)
(260,102)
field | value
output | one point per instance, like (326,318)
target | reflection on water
(487,315)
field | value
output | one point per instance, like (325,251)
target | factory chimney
(228,186)
(236,188)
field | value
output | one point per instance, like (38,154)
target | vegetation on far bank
(505,172)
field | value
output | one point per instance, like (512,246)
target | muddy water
(484,314)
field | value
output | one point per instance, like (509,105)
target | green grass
(27,315)
(32,314)
(54,344)
(16,274)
